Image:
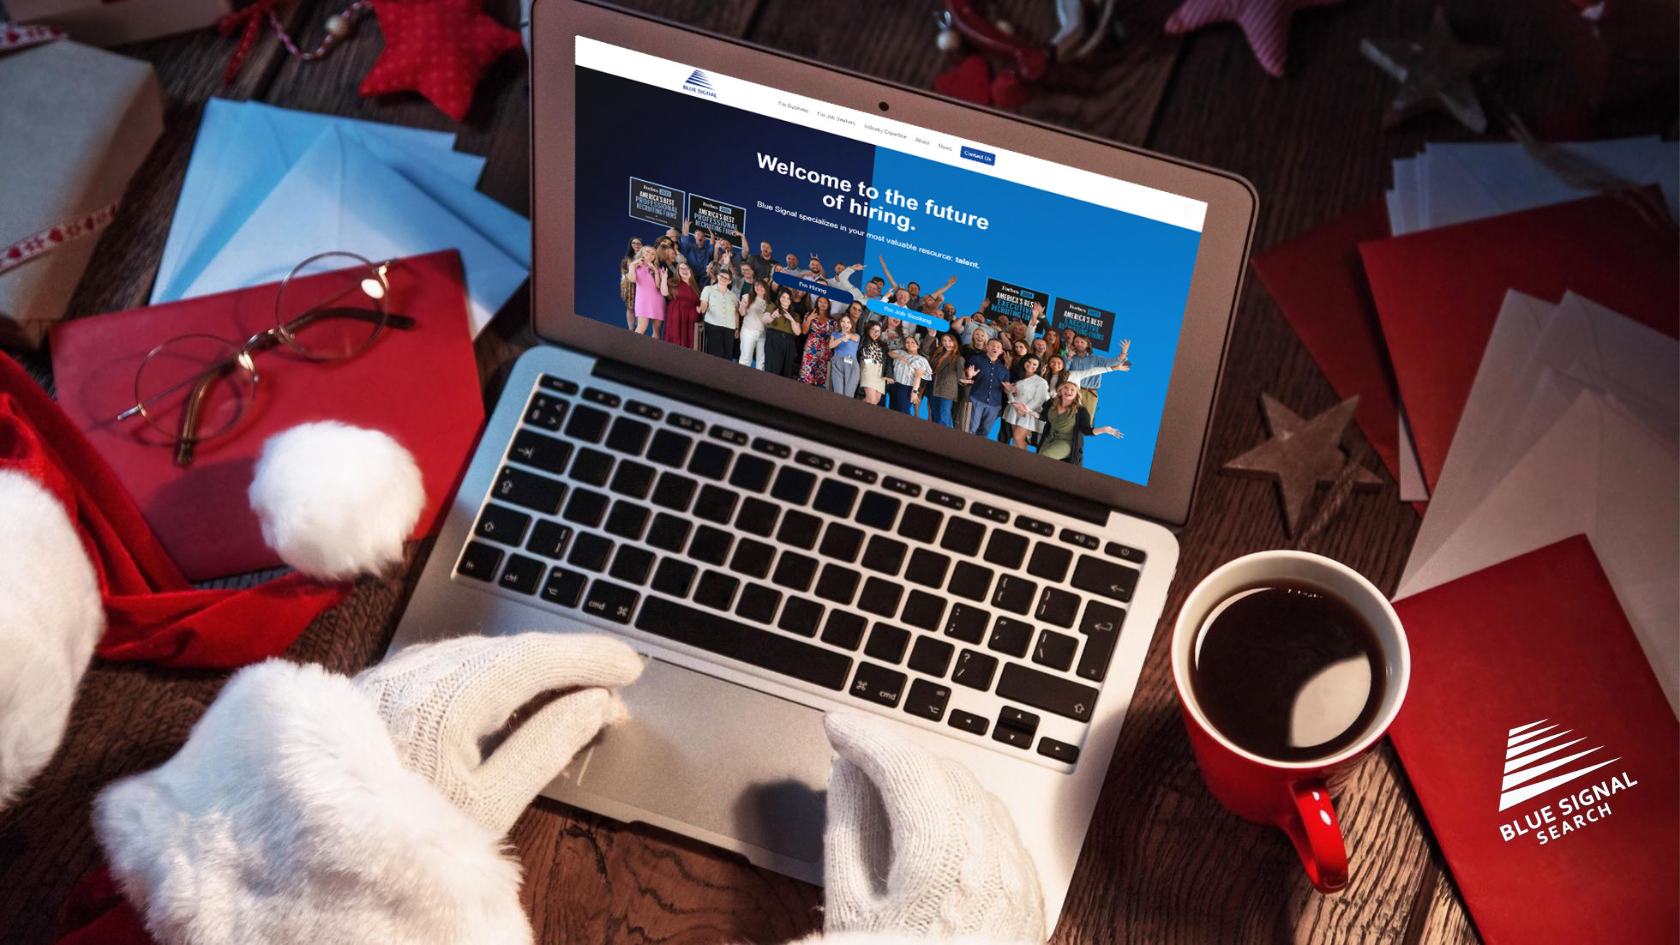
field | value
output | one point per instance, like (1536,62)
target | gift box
(79,121)
(113,22)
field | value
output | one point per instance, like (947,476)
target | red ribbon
(45,241)
(18,36)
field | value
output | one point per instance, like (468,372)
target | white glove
(440,701)
(915,845)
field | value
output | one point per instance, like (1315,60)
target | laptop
(817,528)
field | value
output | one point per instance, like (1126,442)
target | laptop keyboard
(991,624)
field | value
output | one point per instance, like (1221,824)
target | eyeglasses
(331,307)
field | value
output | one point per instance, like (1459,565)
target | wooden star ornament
(439,48)
(1302,454)
(1434,71)
(1265,24)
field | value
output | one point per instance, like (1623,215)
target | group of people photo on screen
(1010,377)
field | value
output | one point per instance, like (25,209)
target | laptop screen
(997,294)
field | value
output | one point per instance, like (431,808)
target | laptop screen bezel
(1220,261)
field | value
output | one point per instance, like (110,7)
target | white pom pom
(335,500)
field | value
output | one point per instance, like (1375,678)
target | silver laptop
(781,543)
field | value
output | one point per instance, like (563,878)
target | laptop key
(921,523)
(757,517)
(1105,577)
(1059,751)
(844,630)
(1057,606)
(587,424)
(628,435)
(878,684)
(716,590)
(884,555)
(633,479)
(1015,727)
(674,492)
(627,520)
(755,646)
(1055,650)
(612,601)
(841,542)
(835,498)
(752,558)
(710,545)
(963,536)
(592,467)
(927,568)
(632,565)
(880,596)
(550,382)
(479,560)
(590,552)
(501,524)
(799,529)
(971,581)
(1042,690)
(1006,549)
(1049,562)
(923,610)
(967,624)
(1010,637)
(931,657)
(1014,594)
(837,584)
(878,510)
(545,411)
(969,722)
(927,700)
(801,615)
(710,461)
(549,539)
(793,485)
(674,577)
(975,669)
(794,571)
(887,643)
(1101,627)
(587,508)
(564,587)
(668,532)
(752,473)
(1124,552)
(758,603)
(529,490)
(669,448)
(543,452)
(715,504)
(605,398)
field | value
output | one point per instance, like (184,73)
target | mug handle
(1317,836)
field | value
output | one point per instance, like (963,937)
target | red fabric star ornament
(439,48)
(1264,22)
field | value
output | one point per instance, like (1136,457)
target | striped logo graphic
(1533,751)
(698,80)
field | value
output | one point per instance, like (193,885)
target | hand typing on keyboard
(915,846)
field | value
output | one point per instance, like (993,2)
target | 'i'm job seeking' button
(891,310)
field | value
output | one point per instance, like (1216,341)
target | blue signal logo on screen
(699,84)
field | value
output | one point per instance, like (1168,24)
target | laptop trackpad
(717,756)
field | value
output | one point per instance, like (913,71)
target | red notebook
(1438,293)
(419,386)
(1544,753)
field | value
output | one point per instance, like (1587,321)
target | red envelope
(1544,753)
(1438,294)
(1318,282)
(419,386)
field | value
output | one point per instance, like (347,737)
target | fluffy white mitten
(916,847)
(441,700)
(336,501)
(287,817)
(50,618)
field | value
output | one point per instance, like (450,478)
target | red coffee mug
(1292,795)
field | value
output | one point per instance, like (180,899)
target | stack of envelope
(269,187)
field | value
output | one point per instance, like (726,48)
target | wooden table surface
(1163,862)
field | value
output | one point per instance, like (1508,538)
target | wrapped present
(104,23)
(79,121)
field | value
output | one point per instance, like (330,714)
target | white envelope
(1461,182)
(1597,471)
(244,149)
(340,197)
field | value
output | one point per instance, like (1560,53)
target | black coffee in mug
(1287,671)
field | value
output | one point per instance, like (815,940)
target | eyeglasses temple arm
(186,441)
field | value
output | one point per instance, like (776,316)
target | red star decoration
(1264,22)
(439,48)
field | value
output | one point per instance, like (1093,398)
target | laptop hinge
(926,463)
